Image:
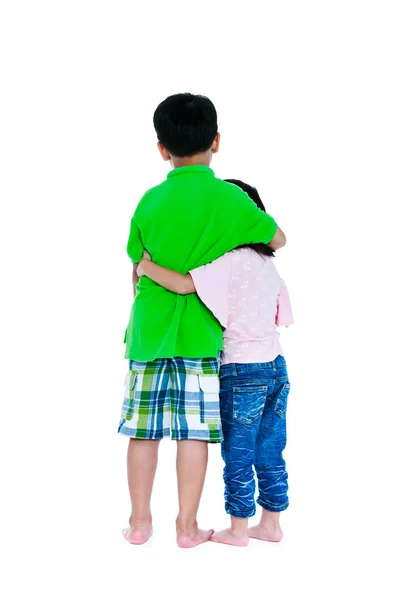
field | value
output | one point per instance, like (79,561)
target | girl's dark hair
(251,191)
(186,124)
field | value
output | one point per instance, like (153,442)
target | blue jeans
(253,412)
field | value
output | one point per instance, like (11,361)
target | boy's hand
(141,267)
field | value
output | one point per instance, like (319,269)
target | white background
(308,99)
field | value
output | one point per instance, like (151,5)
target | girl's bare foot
(227,536)
(194,538)
(269,533)
(268,528)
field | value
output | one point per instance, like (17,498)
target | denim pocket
(281,401)
(129,395)
(248,403)
(209,399)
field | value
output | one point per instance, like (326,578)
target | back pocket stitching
(245,390)
(285,390)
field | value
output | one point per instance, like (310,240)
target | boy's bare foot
(269,533)
(189,538)
(227,536)
(138,533)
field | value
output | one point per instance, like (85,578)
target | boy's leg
(195,422)
(242,404)
(145,419)
(142,464)
(269,463)
(191,466)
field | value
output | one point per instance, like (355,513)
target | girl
(246,294)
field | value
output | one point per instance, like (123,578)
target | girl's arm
(135,277)
(171,280)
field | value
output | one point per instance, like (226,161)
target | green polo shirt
(189,220)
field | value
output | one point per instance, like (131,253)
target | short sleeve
(212,284)
(251,224)
(263,226)
(135,247)
(284,316)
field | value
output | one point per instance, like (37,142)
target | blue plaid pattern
(176,397)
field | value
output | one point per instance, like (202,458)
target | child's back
(248,297)
(189,220)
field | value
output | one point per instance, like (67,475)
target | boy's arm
(256,226)
(135,246)
(278,241)
(267,230)
(171,280)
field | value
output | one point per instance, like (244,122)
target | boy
(173,342)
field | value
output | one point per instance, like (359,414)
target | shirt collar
(191,169)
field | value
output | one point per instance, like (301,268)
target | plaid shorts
(176,397)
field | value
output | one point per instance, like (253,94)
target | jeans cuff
(272,507)
(240,514)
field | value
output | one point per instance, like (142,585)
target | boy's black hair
(251,191)
(186,124)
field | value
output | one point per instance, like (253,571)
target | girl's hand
(141,267)
(146,256)
(139,270)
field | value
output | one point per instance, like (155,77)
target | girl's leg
(191,466)
(242,404)
(269,463)
(142,464)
